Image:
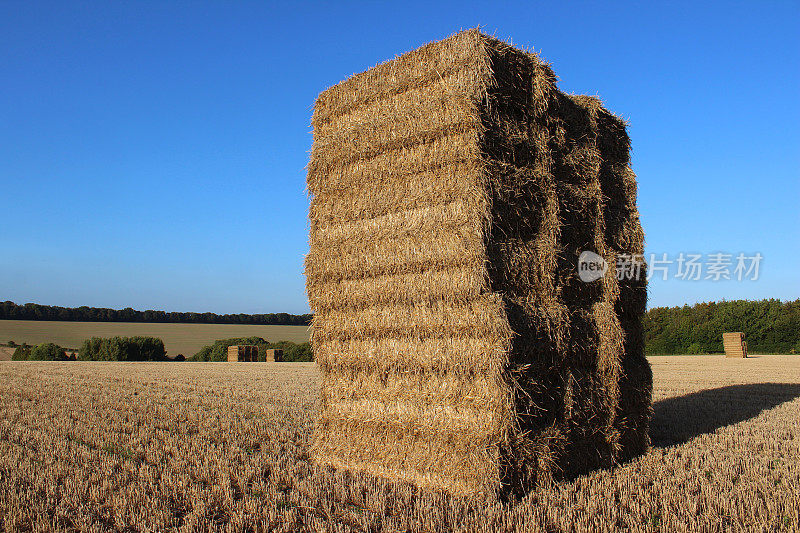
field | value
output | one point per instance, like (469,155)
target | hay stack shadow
(678,420)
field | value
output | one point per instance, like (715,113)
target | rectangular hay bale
(245,353)
(233,354)
(273,355)
(453,189)
(734,344)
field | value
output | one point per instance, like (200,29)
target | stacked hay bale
(734,344)
(233,354)
(246,353)
(273,355)
(453,189)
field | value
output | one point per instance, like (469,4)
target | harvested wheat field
(158,446)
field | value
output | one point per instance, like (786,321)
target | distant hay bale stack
(246,353)
(734,344)
(453,189)
(274,355)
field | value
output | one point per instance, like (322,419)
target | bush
(47,352)
(695,349)
(179,358)
(21,353)
(41,352)
(203,355)
(12,344)
(91,350)
(122,349)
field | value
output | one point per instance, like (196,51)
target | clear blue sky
(152,154)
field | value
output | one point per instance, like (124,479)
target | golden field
(186,339)
(199,446)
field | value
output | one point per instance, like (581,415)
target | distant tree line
(218,352)
(770,326)
(11,311)
(122,349)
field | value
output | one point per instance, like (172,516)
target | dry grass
(178,338)
(160,446)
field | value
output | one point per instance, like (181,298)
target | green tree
(770,326)
(122,349)
(48,352)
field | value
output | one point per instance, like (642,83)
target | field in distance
(160,446)
(186,339)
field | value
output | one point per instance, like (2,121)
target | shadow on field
(677,420)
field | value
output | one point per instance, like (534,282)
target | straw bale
(233,354)
(246,353)
(453,189)
(273,355)
(734,344)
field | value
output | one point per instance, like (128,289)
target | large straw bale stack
(273,355)
(233,354)
(244,353)
(734,344)
(453,189)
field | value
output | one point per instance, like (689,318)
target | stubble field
(198,446)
